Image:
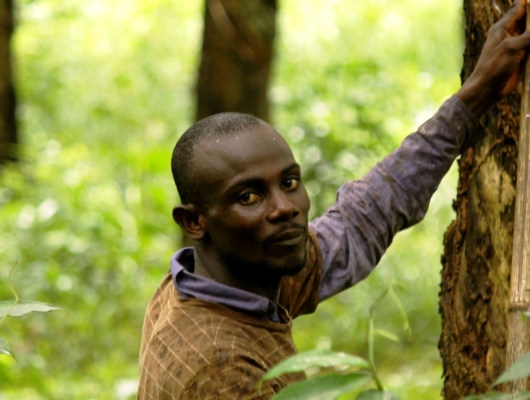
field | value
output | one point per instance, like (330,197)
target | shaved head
(217,125)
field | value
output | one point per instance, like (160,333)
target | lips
(286,238)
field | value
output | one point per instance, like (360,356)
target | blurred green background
(105,90)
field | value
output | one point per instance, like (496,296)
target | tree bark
(478,244)
(8,127)
(236,57)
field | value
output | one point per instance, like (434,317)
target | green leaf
(386,334)
(315,358)
(4,348)
(400,307)
(519,369)
(327,387)
(24,307)
(525,395)
(373,394)
(378,301)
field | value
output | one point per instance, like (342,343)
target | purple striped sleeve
(356,231)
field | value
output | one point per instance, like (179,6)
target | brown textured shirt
(198,350)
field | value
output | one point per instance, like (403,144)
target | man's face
(254,205)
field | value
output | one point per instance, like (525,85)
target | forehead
(258,152)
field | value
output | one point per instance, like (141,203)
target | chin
(292,270)
(273,263)
(293,263)
(291,266)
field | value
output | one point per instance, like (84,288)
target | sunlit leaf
(327,387)
(386,334)
(525,395)
(4,348)
(519,369)
(24,307)
(373,394)
(378,300)
(400,307)
(315,358)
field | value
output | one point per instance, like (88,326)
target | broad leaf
(315,358)
(4,348)
(500,396)
(327,387)
(374,394)
(519,369)
(24,307)
(386,334)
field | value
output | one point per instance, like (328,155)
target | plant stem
(12,288)
(371,353)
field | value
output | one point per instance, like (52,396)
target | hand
(500,64)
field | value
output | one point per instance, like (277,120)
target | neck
(210,266)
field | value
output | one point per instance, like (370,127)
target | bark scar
(497,10)
(479,164)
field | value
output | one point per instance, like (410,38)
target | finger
(514,14)
(520,26)
(518,43)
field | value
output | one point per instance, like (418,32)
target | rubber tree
(8,127)
(478,244)
(237,52)
(236,59)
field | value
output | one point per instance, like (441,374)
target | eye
(291,183)
(248,198)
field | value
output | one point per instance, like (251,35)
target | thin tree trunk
(478,244)
(236,57)
(8,128)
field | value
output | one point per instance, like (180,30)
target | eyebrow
(257,181)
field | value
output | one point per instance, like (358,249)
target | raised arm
(356,231)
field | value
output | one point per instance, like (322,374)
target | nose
(282,206)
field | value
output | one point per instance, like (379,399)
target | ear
(189,219)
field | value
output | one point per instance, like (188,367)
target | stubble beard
(262,268)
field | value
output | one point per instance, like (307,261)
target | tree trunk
(478,244)
(8,128)
(236,58)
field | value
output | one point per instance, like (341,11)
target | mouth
(288,238)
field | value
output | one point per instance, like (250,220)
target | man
(222,317)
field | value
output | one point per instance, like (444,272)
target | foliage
(315,358)
(328,387)
(347,372)
(18,308)
(23,307)
(500,396)
(105,90)
(519,369)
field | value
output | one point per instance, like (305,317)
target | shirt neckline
(190,285)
